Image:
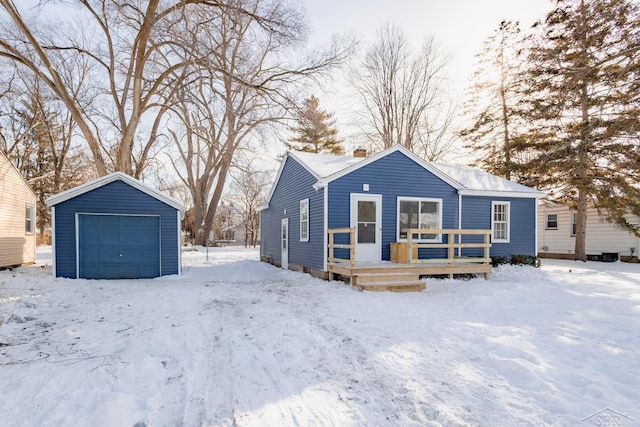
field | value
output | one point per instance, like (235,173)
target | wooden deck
(405,276)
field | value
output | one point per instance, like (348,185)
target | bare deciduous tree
(38,138)
(403,95)
(239,81)
(249,192)
(123,52)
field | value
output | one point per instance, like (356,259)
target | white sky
(459,26)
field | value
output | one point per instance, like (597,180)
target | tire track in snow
(276,384)
(209,390)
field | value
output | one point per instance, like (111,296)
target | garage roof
(115,176)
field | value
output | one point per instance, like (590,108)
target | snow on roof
(473,181)
(323,165)
(476,180)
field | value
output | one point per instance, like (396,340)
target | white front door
(284,239)
(366,218)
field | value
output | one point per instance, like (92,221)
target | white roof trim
(446,178)
(107,179)
(287,154)
(505,193)
(17,171)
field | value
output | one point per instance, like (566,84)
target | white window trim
(399,199)
(493,237)
(32,219)
(573,216)
(546,225)
(304,205)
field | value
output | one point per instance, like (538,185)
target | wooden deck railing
(351,245)
(451,246)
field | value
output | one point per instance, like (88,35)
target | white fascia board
(107,179)
(487,193)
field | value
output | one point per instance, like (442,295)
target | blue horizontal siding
(295,184)
(392,176)
(114,198)
(476,214)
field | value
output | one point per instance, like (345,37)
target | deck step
(385,277)
(403,286)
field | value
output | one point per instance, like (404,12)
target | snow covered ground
(236,342)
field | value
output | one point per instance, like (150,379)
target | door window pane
(366,221)
(284,236)
(366,211)
(366,232)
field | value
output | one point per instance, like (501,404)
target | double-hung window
(28,219)
(304,220)
(574,214)
(500,222)
(552,221)
(419,213)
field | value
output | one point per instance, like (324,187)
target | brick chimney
(360,152)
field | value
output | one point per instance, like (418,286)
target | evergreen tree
(315,131)
(493,101)
(583,103)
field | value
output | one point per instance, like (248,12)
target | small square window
(552,221)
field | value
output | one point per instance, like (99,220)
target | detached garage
(115,227)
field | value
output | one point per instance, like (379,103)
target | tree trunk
(581,226)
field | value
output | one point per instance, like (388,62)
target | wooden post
(352,250)
(451,248)
(486,251)
(330,253)
(409,247)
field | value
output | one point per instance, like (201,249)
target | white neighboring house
(556,235)
(17,217)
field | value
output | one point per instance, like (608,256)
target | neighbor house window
(28,215)
(500,222)
(304,220)
(573,223)
(552,221)
(419,213)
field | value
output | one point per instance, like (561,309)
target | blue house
(115,227)
(382,196)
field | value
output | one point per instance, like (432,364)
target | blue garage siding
(295,184)
(113,198)
(392,176)
(476,214)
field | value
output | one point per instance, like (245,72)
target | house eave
(491,193)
